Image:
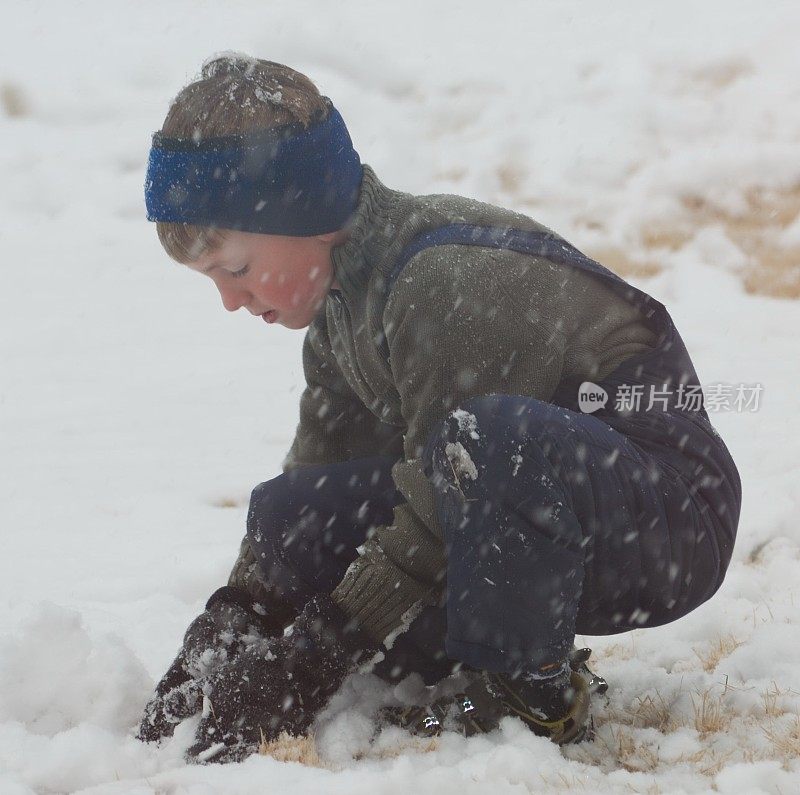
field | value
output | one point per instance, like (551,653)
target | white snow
(461,461)
(467,423)
(137,417)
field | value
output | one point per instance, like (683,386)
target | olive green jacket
(382,371)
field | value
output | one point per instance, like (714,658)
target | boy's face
(282,279)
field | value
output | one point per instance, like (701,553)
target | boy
(446,502)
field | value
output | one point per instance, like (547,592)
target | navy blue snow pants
(555,522)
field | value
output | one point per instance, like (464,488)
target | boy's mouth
(270,317)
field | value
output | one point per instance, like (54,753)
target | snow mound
(54,677)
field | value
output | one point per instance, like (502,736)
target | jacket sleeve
(459,324)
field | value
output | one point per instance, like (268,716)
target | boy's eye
(240,272)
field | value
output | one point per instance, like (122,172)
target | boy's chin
(299,322)
(294,323)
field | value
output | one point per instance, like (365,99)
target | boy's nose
(234,299)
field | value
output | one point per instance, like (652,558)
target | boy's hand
(280,684)
(230,622)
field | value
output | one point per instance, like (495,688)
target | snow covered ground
(136,416)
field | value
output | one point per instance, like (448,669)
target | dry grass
(226,502)
(711,714)
(786,739)
(303,750)
(510,177)
(631,755)
(771,269)
(12,101)
(292,749)
(706,761)
(719,649)
(653,713)
(452,174)
(558,782)
(717,75)
(618,743)
(622,263)
(770,699)
(417,745)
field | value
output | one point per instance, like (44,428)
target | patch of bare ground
(12,101)
(226,502)
(287,748)
(772,269)
(718,74)
(620,262)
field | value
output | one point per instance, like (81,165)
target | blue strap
(542,244)
(668,361)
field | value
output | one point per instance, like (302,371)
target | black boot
(556,708)
(559,710)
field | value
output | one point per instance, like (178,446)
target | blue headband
(286,181)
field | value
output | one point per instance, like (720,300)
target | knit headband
(285,181)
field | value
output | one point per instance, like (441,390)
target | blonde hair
(234,94)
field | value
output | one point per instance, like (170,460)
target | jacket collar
(372,228)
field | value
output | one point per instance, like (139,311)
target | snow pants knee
(555,522)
